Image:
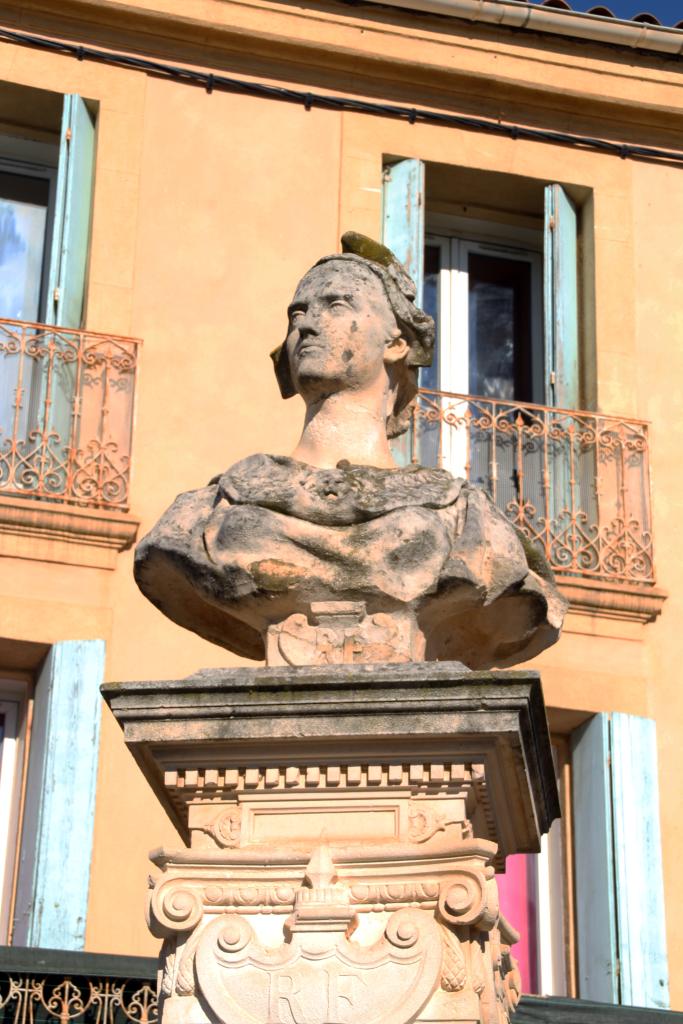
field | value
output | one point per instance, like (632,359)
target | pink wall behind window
(518,903)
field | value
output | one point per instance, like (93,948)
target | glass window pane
(499,327)
(23,217)
(429,375)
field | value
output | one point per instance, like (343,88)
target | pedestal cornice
(418,728)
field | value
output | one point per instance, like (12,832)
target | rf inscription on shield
(320,976)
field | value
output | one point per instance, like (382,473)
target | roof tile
(602,11)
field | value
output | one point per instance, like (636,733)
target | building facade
(167,173)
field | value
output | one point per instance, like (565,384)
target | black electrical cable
(211,82)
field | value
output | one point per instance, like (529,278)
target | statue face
(342,331)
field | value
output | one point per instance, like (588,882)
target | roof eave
(591,27)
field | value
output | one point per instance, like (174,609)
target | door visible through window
(487,301)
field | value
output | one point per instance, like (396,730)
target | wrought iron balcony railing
(576,483)
(66,414)
(44,986)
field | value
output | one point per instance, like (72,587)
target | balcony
(576,483)
(66,422)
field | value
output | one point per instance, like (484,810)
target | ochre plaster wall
(207,210)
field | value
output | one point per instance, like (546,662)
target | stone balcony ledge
(46,531)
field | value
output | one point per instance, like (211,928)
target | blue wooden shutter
(596,937)
(641,926)
(403,231)
(56,841)
(73,204)
(403,216)
(560,299)
(621,938)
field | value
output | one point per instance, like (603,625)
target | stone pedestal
(343,828)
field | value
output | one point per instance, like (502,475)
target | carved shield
(309,981)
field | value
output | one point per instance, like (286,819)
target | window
(590,906)
(536,895)
(499,260)
(496,258)
(52,804)
(46,187)
(46,184)
(588,929)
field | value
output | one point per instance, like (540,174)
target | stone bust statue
(335,553)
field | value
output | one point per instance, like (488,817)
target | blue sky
(669,12)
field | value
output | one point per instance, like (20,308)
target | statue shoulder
(182,523)
(477,504)
(255,477)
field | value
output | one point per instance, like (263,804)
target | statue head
(353,323)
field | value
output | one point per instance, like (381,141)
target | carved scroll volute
(469,897)
(385,983)
(174,907)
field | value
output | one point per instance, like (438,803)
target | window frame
(15,701)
